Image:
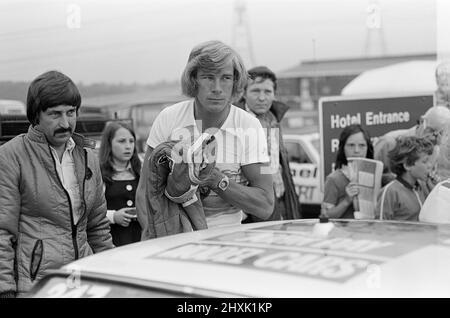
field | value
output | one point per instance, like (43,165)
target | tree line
(18,90)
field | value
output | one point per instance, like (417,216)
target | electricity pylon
(241,37)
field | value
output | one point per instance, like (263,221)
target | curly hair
(348,131)
(212,56)
(105,152)
(407,151)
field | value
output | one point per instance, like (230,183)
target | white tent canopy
(400,78)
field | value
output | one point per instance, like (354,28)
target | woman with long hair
(120,166)
(339,192)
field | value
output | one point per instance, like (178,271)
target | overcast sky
(148,41)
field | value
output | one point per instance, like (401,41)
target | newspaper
(367,174)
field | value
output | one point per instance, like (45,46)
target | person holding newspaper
(339,192)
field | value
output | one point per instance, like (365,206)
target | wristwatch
(223,183)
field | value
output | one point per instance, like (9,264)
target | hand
(205,158)
(212,181)
(123,218)
(433,177)
(352,190)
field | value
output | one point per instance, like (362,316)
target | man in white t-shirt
(241,180)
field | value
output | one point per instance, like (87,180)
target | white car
(303,152)
(291,258)
(12,107)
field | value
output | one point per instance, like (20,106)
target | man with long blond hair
(213,77)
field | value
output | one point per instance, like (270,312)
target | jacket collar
(407,184)
(127,168)
(279,109)
(34,134)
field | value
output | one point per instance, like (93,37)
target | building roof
(164,94)
(416,76)
(347,66)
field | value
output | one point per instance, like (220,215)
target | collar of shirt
(65,169)
(127,168)
(266,119)
(249,110)
(407,184)
(123,174)
(70,146)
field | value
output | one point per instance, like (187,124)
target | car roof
(297,258)
(306,139)
(13,107)
(314,135)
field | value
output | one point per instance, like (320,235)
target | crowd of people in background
(414,162)
(60,201)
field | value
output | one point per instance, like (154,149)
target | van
(12,107)
(89,124)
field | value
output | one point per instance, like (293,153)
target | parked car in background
(291,258)
(11,126)
(90,123)
(303,154)
(12,107)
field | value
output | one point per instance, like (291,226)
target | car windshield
(316,143)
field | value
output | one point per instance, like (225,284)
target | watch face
(223,184)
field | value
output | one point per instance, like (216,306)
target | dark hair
(265,73)
(48,90)
(407,151)
(105,153)
(212,56)
(348,131)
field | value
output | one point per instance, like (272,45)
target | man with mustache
(52,207)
